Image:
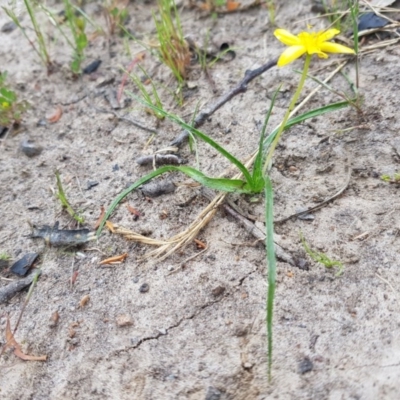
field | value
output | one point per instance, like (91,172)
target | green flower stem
(288,112)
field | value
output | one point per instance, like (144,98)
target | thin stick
(7,292)
(320,205)
(387,282)
(241,87)
(257,233)
(28,296)
(131,121)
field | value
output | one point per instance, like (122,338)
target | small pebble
(305,365)
(84,300)
(123,320)
(213,394)
(144,288)
(302,263)
(30,149)
(91,184)
(158,188)
(218,291)
(54,319)
(42,122)
(8,27)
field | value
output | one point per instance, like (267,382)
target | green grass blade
(226,185)
(53,20)
(200,135)
(65,203)
(258,178)
(14,18)
(221,184)
(42,45)
(271,263)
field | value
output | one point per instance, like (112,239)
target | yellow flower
(310,43)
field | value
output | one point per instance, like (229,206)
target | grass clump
(148,97)
(174,50)
(116,14)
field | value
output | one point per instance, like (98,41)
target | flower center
(311,42)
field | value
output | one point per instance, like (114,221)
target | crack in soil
(163,332)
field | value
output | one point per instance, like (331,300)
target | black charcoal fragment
(92,67)
(371,21)
(8,291)
(24,264)
(62,237)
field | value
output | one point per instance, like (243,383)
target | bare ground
(199,333)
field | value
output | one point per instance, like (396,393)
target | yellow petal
(327,35)
(291,54)
(286,37)
(336,48)
(322,55)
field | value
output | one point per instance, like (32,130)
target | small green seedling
(64,202)
(116,14)
(76,23)
(11,109)
(4,256)
(271,7)
(391,179)
(150,98)
(322,258)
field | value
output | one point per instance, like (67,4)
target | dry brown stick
(249,226)
(320,205)
(7,292)
(241,87)
(131,121)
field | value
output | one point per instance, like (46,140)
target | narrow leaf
(271,265)
(226,185)
(258,178)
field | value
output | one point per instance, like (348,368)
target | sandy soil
(199,333)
